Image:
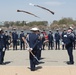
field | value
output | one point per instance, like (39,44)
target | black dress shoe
(32,69)
(70,63)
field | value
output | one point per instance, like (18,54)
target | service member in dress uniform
(40,36)
(14,39)
(32,45)
(22,44)
(63,38)
(57,40)
(68,41)
(6,40)
(51,39)
(74,43)
(2,49)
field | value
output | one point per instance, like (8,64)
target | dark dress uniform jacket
(50,37)
(63,38)
(57,36)
(68,40)
(33,42)
(21,35)
(14,36)
(1,42)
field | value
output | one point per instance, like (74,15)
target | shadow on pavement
(7,62)
(65,61)
(51,61)
(38,67)
(41,62)
(42,58)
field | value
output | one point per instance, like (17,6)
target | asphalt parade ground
(53,62)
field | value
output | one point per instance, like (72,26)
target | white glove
(3,49)
(28,48)
(31,49)
(62,43)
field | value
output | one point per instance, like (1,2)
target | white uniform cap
(49,30)
(0,29)
(34,29)
(14,28)
(71,28)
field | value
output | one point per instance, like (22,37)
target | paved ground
(53,63)
(49,58)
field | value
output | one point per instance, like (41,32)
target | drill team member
(22,44)
(2,49)
(63,38)
(39,46)
(32,45)
(14,38)
(50,38)
(57,40)
(69,39)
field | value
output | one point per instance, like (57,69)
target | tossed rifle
(42,8)
(28,13)
(28,48)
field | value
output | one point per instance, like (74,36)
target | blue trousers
(1,57)
(22,45)
(70,53)
(15,45)
(57,45)
(32,65)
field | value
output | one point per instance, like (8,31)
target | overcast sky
(62,8)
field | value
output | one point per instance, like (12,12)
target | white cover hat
(71,28)
(14,28)
(34,29)
(0,29)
